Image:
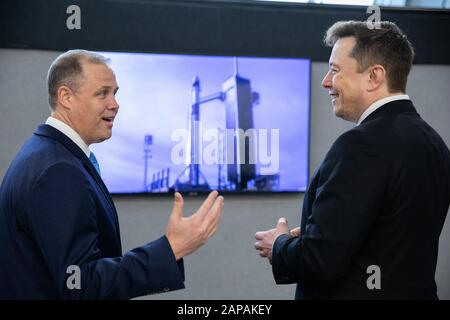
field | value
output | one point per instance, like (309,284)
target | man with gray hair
(375,208)
(59,230)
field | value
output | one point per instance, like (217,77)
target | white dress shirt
(377,104)
(70,133)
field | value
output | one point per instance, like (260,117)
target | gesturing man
(56,214)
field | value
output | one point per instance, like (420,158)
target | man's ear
(376,77)
(65,97)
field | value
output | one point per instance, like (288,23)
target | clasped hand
(265,239)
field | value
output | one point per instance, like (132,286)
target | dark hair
(385,44)
(67,70)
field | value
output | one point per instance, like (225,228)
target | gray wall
(227,267)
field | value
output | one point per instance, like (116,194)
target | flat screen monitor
(195,123)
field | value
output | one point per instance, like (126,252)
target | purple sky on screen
(154,98)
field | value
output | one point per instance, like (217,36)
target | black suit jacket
(380,197)
(56,212)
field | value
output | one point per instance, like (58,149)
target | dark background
(207,27)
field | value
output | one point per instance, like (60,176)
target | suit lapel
(50,132)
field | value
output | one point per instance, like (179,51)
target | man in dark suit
(375,208)
(59,231)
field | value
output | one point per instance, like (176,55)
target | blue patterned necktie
(94,161)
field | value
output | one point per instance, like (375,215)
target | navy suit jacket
(55,211)
(380,197)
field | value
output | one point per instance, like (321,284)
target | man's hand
(267,238)
(295,232)
(186,235)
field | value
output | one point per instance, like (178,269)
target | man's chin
(344,116)
(337,111)
(103,138)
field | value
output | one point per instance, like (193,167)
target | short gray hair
(67,70)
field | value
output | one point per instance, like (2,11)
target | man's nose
(326,82)
(113,104)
